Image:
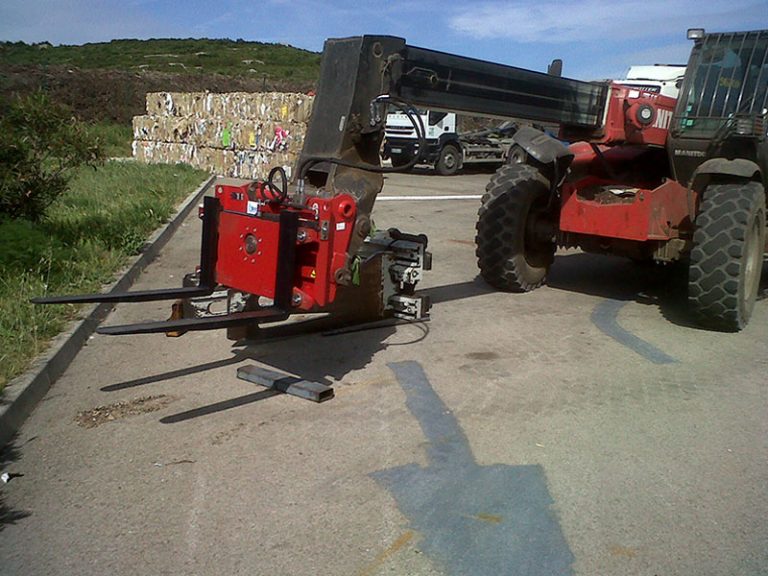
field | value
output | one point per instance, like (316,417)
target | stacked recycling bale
(239,134)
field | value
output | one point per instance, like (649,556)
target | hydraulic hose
(418,125)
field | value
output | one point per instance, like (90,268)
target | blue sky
(596,39)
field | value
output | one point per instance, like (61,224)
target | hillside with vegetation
(108,81)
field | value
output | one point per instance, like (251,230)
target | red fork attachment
(269,257)
(295,255)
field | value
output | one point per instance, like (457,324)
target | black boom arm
(359,75)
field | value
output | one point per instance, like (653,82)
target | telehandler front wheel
(727,256)
(515,233)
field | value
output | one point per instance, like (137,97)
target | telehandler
(644,176)
(657,180)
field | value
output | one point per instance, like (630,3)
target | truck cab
(401,142)
(664,79)
(447,150)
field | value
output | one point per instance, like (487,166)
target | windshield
(730,77)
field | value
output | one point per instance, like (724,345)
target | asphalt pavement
(586,428)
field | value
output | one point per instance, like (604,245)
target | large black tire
(399,160)
(449,161)
(727,256)
(511,252)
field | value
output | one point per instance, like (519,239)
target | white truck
(664,79)
(447,150)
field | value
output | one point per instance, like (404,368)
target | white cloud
(555,21)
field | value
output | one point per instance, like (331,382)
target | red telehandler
(659,180)
(644,176)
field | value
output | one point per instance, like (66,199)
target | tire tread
(714,278)
(501,218)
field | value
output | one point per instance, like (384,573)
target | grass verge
(87,236)
(114,139)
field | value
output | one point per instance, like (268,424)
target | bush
(40,144)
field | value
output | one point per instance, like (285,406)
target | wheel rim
(752,264)
(449,160)
(517,156)
(537,248)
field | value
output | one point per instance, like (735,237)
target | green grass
(88,236)
(114,139)
(204,56)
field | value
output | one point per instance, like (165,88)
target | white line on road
(444,197)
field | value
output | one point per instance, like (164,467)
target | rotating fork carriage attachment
(293,257)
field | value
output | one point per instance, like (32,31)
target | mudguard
(542,147)
(738,167)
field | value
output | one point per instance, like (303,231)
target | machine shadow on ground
(473,518)
(458,291)
(615,278)
(620,279)
(316,351)
(9,454)
(324,351)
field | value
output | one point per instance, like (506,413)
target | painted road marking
(495,520)
(435,197)
(604,316)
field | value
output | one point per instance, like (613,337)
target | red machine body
(635,116)
(600,207)
(248,247)
(602,200)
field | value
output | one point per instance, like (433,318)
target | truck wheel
(449,160)
(517,155)
(727,256)
(399,160)
(515,244)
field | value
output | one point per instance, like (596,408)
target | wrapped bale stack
(239,134)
